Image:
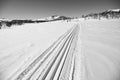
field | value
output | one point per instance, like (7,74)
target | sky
(35,9)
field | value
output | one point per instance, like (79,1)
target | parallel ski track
(60,56)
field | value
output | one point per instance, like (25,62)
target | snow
(115,10)
(100,45)
(97,52)
(4,19)
(21,43)
(50,18)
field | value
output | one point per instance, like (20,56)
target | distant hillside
(108,14)
(56,17)
(8,23)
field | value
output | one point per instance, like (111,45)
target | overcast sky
(34,9)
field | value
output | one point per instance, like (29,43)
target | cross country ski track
(55,63)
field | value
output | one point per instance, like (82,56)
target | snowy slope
(114,10)
(100,45)
(96,55)
(21,44)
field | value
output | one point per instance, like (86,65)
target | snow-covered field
(96,54)
(100,44)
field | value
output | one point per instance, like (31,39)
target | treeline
(21,22)
(106,14)
(17,22)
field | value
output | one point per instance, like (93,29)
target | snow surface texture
(95,57)
(115,10)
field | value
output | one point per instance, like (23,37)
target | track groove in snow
(55,63)
(92,53)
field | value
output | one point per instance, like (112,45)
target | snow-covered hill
(113,10)
(96,55)
(108,14)
(55,18)
(4,23)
